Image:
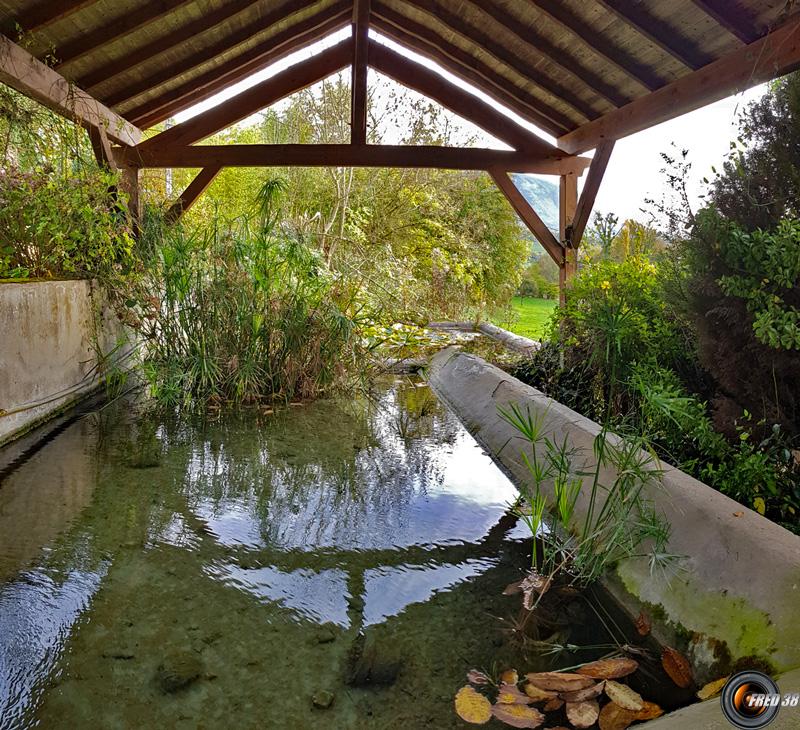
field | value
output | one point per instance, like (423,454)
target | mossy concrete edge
(737,591)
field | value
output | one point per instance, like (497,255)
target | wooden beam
(358,86)
(732,18)
(559,57)
(202,87)
(458,62)
(346,155)
(436,87)
(775,54)
(115,29)
(490,44)
(611,52)
(528,215)
(129,184)
(182,35)
(45,13)
(24,73)
(567,205)
(102,147)
(257,97)
(194,190)
(668,39)
(589,193)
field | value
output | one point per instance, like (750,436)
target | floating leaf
(539,695)
(650,711)
(472,706)
(677,667)
(513,588)
(738,514)
(624,696)
(643,624)
(559,681)
(610,668)
(510,676)
(712,689)
(475,676)
(581,695)
(553,705)
(614,717)
(518,715)
(583,714)
(509,694)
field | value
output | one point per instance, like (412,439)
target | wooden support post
(358,85)
(567,203)
(188,197)
(102,147)
(129,183)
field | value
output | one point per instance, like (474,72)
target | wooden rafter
(347,155)
(114,30)
(24,73)
(175,39)
(199,89)
(46,13)
(594,177)
(260,96)
(528,215)
(483,38)
(611,52)
(636,16)
(773,55)
(193,191)
(450,57)
(558,57)
(358,86)
(436,87)
(730,17)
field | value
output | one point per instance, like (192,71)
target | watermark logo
(751,700)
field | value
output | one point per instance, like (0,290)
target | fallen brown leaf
(614,717)
(475,676)
(539,695)
(643,624)
(509,694)
(650,711)
(677,667)
(513,588)
(559,681)
(624,696)
(583,714)
(610,668)
(518,715)
(553,705)
(712,689)
(738,514)
(581,695)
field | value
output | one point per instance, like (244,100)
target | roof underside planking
(582,70)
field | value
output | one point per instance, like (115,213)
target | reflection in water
(129,539)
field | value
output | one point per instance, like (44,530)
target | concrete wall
(738,583)
(48,354)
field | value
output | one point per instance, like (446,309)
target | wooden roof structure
(587,72)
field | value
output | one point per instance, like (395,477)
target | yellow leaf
(712,689)
(539,695)
(510,676)
(759,505)
(624,696)
(518,715)
(614,717)
(472,706)
(650,711)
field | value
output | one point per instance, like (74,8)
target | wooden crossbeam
(730,17)
(564,93)
(346,155)
(46,13)
(457,61)
(295,38)
(101,145)
(115,29)
(559,57)
(611,52)
(358,86)
(193,191)
(258,97)
(528,215)
(775,54)
(436,87)
(24,73)
(636,16)
(594,177)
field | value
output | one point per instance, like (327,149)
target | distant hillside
(543,196)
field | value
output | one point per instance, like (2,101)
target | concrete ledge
(51,333)
(737,593)
(517,343)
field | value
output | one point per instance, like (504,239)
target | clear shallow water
(253,550)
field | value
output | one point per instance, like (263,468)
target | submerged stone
(322,699)
(178,670)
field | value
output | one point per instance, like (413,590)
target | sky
(634,172)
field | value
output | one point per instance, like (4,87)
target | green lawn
(531,316)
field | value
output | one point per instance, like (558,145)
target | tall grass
(239,311)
